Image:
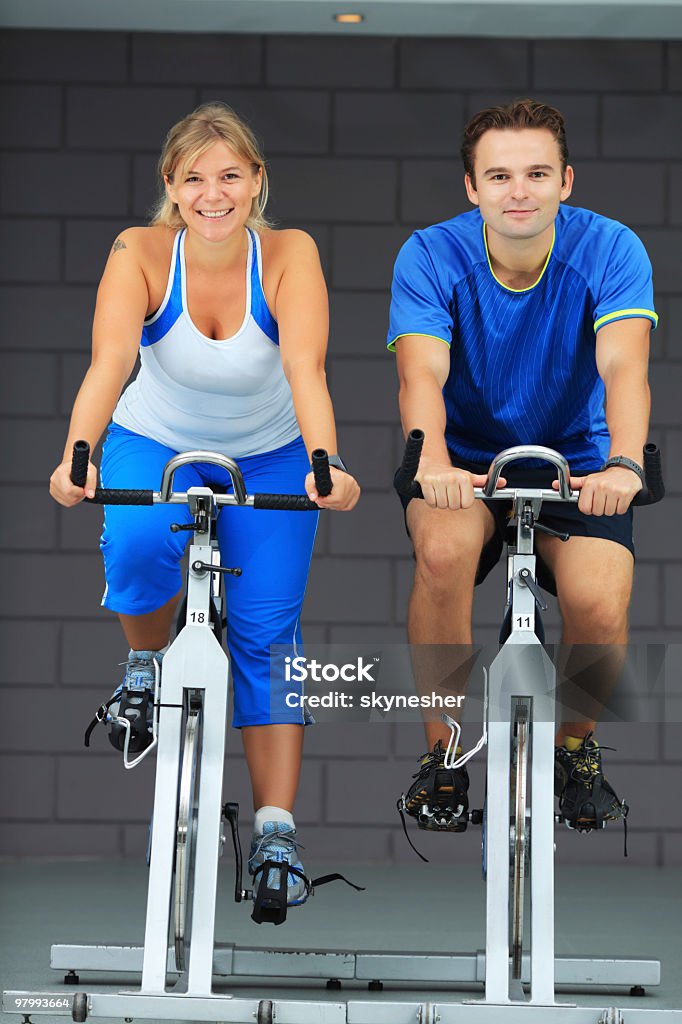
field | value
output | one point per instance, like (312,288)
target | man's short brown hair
(519,114)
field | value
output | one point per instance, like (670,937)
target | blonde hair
(189,138)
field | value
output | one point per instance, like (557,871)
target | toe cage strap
(401,805)
(270,904)
(335,877)
(136,701)
(100,716)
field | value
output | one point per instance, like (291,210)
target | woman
(233,323)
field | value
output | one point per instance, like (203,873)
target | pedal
(578,827)
(270,905)
(136,707)
(442,819)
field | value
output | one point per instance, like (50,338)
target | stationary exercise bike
(519,820)
(519,728)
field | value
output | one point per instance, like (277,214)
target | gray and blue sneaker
(134,701)
(278,845)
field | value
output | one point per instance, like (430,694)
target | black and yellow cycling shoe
(438,798)
(586,799)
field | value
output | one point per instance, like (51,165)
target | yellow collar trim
(506,287)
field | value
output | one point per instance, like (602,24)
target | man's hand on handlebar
(608,493)
(67,493)
(445,486)
(344,494)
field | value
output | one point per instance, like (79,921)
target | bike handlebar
(79,463)
(406,485)
(529,451)
(653,474)
(166,495)
(323,477)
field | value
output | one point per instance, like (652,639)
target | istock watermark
(301,670)
(356,683)
(396,682)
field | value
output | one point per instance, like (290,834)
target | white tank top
(228,396)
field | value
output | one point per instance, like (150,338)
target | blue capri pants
(142,557)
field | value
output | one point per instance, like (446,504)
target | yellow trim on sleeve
(416,334)
(622,314)
(518,291)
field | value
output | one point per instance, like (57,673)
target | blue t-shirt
(522,362)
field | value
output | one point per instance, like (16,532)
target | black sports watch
(623,460)
(337,462)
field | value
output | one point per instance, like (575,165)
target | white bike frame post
(520,670)
(195,661)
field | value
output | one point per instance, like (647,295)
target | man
(522,322)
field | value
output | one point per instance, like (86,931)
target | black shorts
(564,517)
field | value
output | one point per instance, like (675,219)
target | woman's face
(214,193)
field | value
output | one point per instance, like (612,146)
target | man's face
(518,181)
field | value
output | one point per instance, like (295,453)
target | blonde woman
(230,320)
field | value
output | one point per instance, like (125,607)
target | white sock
(267,813)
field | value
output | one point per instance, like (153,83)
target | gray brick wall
(362,136)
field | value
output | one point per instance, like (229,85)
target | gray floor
(623,911)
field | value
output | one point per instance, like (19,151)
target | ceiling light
(349,19)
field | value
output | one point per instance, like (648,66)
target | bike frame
(194,664)
(522,673)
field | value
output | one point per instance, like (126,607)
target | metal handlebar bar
(215,459)
(406,485)
(166,495)
(529,451)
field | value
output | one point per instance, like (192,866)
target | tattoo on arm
(118,244)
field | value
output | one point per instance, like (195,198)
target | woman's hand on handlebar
(344,494)
(65,492)
(446,486)
(607,493)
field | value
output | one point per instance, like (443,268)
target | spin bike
(519,729)
(179,959)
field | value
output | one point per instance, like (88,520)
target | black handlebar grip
(285,502)
(653,474)
(404,478)
(80,458)
(323,478)
(120,496)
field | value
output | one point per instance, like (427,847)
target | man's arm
(622,358)
(622,361)
(423,368)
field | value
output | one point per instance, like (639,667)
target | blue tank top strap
(259,307)
(160,323)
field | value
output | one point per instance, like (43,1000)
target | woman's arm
(301,311)
(122,301)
